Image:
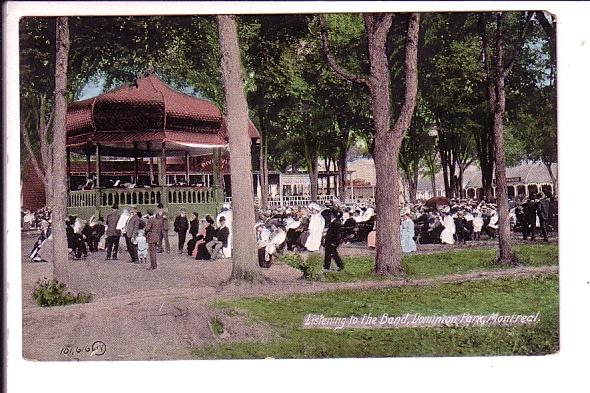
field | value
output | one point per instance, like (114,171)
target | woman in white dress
(446,236)
(477,225)
(315,228)
(407,232)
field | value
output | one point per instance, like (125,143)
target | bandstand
(140,121)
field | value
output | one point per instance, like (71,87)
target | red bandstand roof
(140,117)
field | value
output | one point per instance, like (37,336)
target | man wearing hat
(153,233)
(331,242)
(543,214)
(131,229)
(112,233)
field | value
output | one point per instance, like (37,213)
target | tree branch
(521,39)
(329,57)
(411,70)
(545,24)
(485,47)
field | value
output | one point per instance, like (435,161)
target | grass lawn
(505,296)
(436,264)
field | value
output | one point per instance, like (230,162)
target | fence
(292,200)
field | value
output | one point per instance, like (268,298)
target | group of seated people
(33,219)
(90,183)
(83,236)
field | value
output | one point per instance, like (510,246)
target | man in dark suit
(97,232)
(543,213)
(219,240)
(530,216)
(131,229)
(331,242)
(181,227)
(112,233)
(153,233)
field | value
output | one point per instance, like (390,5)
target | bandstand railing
(292,200)
(202,200)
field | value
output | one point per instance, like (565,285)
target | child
(477,225)
(142,246)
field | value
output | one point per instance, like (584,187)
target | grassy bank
(437,264)
(504,296)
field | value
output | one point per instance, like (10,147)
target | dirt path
(166,323)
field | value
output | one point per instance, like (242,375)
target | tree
(267,40)
(387,138)
(450,84)
(531,102)
(496,70)
(244,254)
(416,146)
(59,198)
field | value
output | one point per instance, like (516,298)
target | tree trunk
(313,178)
(263,174)
(444,162)
(244,254)
(553,177)
(414,185)
(433,183)
(59,200)
(342,176)
(387,142)
(505,244)
(340,161)
(328,186)
(497,101)
(460,189)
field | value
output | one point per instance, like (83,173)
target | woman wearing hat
(407,231)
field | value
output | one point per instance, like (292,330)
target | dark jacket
(97,231)
(181,224)
(112,220)
(530,211)
(132,226)
(209,234)
(333,234)
(222,234)
(543,209)
(194,227)
(153,230)
(71,236)
(87,232)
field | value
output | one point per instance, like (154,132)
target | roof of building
(524,173)
(142,115)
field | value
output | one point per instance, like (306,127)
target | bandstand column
(151,170)
(97,185)
(186,160)
(217,175)
(87,162)
(135,164)
(98,165)
(162,176)
(68,168)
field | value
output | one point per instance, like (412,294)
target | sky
(92,89)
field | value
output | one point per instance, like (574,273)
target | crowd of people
(297,229)
(32,219)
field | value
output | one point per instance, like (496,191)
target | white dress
(446,235)
(477,223)
(123,221)
(493,221)
(316,230)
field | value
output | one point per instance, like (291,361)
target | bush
(49,293)
(309,266)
